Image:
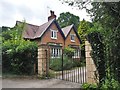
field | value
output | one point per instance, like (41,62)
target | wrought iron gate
(68,68)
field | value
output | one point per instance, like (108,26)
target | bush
(69,52)
(87,86)
(56,64)
(110,85)
(107,85)
(19,56)
(68,63)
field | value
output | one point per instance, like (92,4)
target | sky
(34,11)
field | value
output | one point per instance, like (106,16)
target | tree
(6,33)
(67,18)
(107,14)
(110,21)
(83,28)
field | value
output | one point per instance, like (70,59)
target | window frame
(71,37)
(55,52)
(54,34)
(76,53)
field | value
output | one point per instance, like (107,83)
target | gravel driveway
(36,83)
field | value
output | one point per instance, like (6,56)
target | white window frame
(55,52)
(71,37)
(54,32)
(76,54)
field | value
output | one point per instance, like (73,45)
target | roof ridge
(47,22)
(28,23)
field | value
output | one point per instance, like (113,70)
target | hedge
(18,56)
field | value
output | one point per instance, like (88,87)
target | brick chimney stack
(52,15)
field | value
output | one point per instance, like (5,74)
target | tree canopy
(67,18)
(83,28)
(104,37)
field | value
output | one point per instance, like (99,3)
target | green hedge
(68,63)
(18,56)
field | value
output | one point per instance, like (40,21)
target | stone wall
(90,66)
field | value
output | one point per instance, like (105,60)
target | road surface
(36,83)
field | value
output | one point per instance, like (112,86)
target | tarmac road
(36,83)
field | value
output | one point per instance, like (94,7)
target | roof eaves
(60,29)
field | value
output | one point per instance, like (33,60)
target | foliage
(68,63)
(87,86)
(18,55)
(6,33)
(96,40)
(107,14)
(83,28)
(110,21)
(110,84)
(67,18)
(107,85)
(56,64)
(69,51)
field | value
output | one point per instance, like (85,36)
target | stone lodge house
(52,35)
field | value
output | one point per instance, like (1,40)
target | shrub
(68,63)
(19,56)
(56,64)
(69,52)
(87,86)
(107,85)
(110,85)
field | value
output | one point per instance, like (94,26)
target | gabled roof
(29,31)
(66,30)
(35,31)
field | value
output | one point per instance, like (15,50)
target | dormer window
(72,37)
(53,34)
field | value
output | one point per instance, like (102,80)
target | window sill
(55,57)
(76,57)
(53,38)
(72,41)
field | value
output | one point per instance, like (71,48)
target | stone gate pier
(90,66)
(43,60)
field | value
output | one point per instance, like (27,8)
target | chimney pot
(52,15)
(52,12)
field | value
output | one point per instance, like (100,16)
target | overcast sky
(34,11)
